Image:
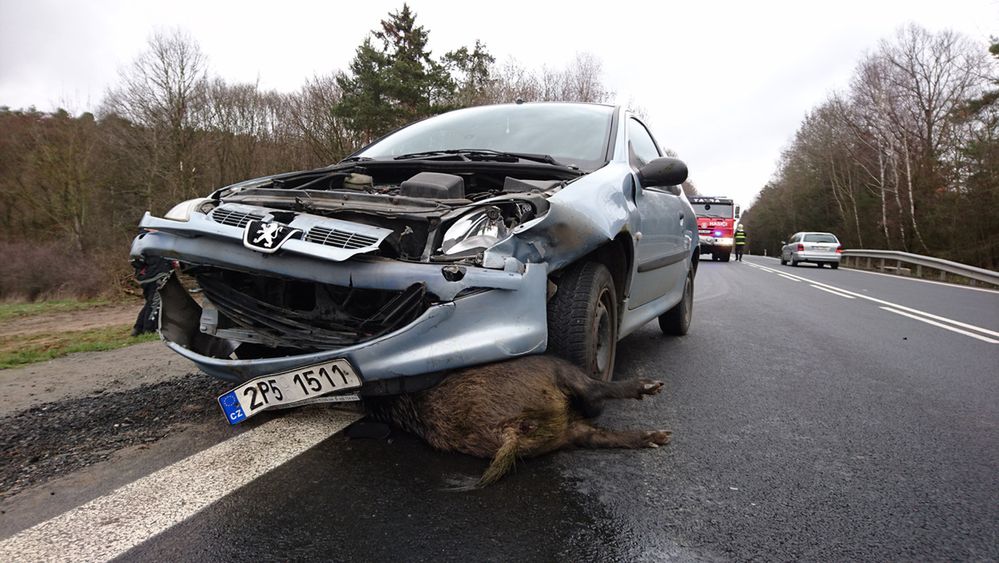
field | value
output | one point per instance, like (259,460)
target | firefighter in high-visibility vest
(740,242)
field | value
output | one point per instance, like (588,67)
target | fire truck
(717,218)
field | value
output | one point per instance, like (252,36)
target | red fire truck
(717,218)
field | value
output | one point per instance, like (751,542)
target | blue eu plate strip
(230,406)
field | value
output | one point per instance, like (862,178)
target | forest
(905,158)
(74,187)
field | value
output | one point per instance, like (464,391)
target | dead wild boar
(519,408)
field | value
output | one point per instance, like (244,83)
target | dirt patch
(118,314)
(60,437)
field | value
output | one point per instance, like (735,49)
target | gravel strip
(56,438)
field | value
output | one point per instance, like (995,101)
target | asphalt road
(814,419)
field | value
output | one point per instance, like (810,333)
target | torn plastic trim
(361,271)
(201,225)
(480,327)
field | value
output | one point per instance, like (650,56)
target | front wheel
(676,321)
(582,319)
(783,262)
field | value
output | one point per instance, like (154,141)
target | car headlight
(182,211)
(479,229)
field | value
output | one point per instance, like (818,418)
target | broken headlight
(182,211)
(478,230)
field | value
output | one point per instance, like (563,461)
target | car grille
(234,218)
(338,238)
(309,316)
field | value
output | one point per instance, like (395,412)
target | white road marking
(895,306)
(834,292)
(107,527)
(955,285)
(941,325)
(789,277)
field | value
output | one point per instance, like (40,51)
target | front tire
(783,262)
(583,321)
(676,321)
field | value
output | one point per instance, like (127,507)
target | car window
(643,148)
(816,237)
(575,134)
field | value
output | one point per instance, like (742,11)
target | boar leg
(584,435)
(589,394)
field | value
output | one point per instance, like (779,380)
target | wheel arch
(618,256)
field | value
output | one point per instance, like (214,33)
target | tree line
(74,187)
(907,158)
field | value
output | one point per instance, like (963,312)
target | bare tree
(159,97)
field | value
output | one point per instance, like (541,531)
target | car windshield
(572,134)
(723,210)
(820,238)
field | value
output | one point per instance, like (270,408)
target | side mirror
(736,211)
(782,243)
(663,172)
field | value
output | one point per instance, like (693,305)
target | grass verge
(16,310)
(27,349)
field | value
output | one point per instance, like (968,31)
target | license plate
(286,389)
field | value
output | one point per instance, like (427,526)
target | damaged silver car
(471,237)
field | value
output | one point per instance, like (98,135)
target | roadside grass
(21,350)
(16,310)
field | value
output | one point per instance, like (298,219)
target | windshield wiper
(482,154)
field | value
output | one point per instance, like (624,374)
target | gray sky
(725,84)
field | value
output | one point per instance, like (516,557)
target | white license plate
(288,388)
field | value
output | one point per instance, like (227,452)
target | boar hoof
(649,387)
(657,438)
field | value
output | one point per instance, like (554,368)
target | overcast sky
(725,84)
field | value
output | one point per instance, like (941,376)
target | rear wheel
(819,264)
(676,321)
(582,319)
(834,265)
(794,262)
(726,257)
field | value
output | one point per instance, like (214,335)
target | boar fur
(524,407)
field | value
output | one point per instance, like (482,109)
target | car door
(663,247)
(785,251)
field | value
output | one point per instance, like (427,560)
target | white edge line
(897,306)
(787,277)
(843,295)
(945,284)
(109,526)
(941,325)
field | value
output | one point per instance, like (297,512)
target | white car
(818,248)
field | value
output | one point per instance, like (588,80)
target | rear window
(820,238)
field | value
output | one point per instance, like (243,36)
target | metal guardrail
(883,259)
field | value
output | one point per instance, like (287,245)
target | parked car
(471,237)
(818,248)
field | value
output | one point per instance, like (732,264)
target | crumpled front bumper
(480,315)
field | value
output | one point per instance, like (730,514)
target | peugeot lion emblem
(267,236)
